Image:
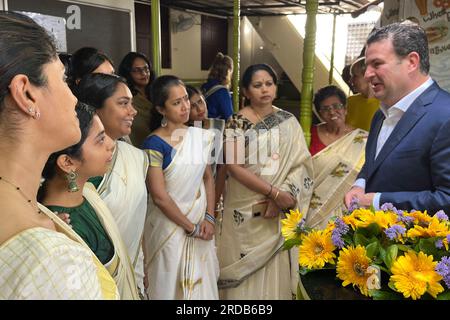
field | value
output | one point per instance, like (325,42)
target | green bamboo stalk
(236,52)
(308,68)
(330,76)
(156,37)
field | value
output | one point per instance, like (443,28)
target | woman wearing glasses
(137,69)
(338,154)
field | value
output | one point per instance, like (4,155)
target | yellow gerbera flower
(353,218)
(420,218)
(413,275)
(316,250)
(290,228)
(381,218)
(435,228)
(352,268)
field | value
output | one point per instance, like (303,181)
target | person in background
(216,89)
(41,258)
(198,117)
(65,190)
(123,187)
(362,106)
(346,76)
(137,69)
(181,261)
(330,106)
(338,155)
(88,60)
(270,170)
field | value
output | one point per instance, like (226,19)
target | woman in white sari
(37,118)
(270,170)
(338,154)
(65,191)
(123,187)
(181,260)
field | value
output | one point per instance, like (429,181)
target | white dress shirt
(392,117)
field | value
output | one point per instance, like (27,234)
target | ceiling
(224,8)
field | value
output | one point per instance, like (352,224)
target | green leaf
(360,239)
(372,249)
(428,246)
(444,295)
(288,244)
(384,295)
(382,253)
(391,255)
(403,247)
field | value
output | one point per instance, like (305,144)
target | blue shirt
(219,103)
(160,153)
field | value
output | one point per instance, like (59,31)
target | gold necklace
(22,194)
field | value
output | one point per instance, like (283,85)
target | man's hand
(366,200)
(355,192)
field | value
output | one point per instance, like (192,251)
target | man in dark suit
(408,149)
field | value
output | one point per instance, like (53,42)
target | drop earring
(164,122)
(72,180)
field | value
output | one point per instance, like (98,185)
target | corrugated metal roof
(266,7)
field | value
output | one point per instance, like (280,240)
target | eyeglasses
(334,106)
(145,69)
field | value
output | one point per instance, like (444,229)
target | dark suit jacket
(412,170)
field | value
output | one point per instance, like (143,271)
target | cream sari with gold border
(177,266)
(335,170)
(124,191)
(107,284)
(122,270)
(252,262)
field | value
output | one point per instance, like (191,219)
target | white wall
(186,49)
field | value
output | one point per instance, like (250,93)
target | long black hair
(85,114)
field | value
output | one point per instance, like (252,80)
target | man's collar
(404,103)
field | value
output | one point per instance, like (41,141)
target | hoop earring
(164,122)
(72,179)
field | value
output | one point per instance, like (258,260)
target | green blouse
(86,224)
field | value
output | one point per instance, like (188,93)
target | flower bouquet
(410,250)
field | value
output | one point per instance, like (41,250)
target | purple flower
(443,268)
(441,215)
(405,219)
(340,228)
(354,204)
(395,231)
(388,207)
(301,226)
(448,238)
(438,244)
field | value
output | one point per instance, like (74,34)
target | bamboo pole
(156,37)
(333,40)
(236,52)
(308,68)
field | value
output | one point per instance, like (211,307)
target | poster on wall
(391,12)
(433,16)
(56,26)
